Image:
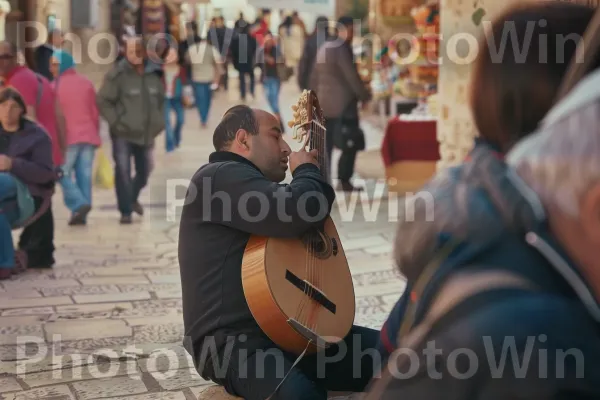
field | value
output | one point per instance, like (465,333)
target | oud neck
(318,141)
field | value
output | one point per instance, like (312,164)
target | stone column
(460,20)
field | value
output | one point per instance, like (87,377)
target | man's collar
(220,156)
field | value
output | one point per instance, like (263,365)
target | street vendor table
(410,151)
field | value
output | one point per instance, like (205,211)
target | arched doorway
(16,32)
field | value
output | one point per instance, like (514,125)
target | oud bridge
(320,245)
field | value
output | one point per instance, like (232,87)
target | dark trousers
(128,189)
(255,367)
(37,239)
(348,157)
(243,75)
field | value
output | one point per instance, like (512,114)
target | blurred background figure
(270,56)
(221,37)
(43,53)
(292,34)
(175,79)
(77,97)
(206,70)
(243,54)
(312,44)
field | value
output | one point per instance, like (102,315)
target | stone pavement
(106,322)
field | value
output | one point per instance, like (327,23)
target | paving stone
(153,396)
(109,387)
(93,308)
(90,371)
(19,294)
(387,288)
(40,284)
(121,280)
(166,333)
(58,392)
(110,297)
(99,328)
(383,249)
(169,294)
(179,379)
(160,287)
(28,311)
(45,359)
(35,302)
(174,278)
(165,361)
(172,318)
(364,243)
(75,290)
(212,392)
(9,385)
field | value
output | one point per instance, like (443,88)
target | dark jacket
(243,52)
(213,236)
(309,54)
(31,153)
(506,230)
(42,56)
(336,81)
(132,103)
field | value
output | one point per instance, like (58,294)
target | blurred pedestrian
(76,95)
(132,101)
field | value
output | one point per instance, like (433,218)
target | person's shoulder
(117,70)
(518,317)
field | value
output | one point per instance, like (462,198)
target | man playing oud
(240,182)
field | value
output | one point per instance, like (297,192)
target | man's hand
(5,163)
(303,157)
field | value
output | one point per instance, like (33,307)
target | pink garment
(26,82)
(77,97)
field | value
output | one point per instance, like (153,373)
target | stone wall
(455,127)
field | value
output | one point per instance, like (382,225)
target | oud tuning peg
(295,107)
(291,124)
(294,135)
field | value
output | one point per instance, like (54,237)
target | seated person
(26,170)
(225,342)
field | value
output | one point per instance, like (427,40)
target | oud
(300,290)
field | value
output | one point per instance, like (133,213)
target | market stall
(406,75)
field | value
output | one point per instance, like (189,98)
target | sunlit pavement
(113,300)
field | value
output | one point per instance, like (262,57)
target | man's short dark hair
(236,118)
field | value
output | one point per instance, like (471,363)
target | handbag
(348,135)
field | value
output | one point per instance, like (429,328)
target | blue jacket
(508,232)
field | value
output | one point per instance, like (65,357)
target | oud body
(296,298)
(300,290)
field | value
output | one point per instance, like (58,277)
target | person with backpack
(498,274)
(37,239)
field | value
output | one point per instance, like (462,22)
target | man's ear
(590,213)
(242,138)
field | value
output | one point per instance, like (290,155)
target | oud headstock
(301,117)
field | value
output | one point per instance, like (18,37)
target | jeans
(79,163)
(256,366)
(272,86)
(173,134)
(243,83)
(128,189)
(347,158)
(9,213)
(202,97)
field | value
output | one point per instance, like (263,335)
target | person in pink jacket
(77,97)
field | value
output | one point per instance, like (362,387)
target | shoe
(138,209)
(79,216)
(126,220)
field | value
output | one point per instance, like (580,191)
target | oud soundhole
(320,244)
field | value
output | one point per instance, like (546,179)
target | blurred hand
(5,163)
(298,158)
